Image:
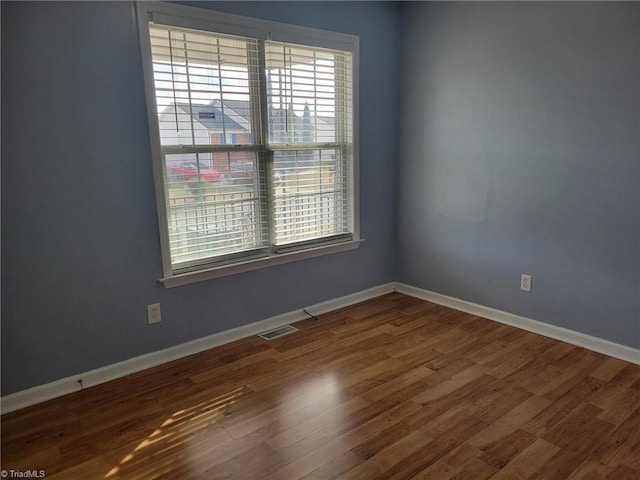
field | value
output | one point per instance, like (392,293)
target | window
(253,136)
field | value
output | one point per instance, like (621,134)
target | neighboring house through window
(252,133)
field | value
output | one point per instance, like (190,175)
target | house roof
(212,117)
(236,116)
(278,116)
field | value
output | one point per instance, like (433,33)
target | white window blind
(207,97)
(310,118)
(255,143)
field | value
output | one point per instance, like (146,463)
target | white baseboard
(596,344)
(61,387)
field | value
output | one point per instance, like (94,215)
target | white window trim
(210,20)
(180,279)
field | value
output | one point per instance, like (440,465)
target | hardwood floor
(394,388)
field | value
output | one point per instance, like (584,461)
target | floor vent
(277,332)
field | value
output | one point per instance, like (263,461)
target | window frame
(224,23)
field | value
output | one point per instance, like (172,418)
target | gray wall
(80,248)
(520,154)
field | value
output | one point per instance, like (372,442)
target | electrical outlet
(153,313)
(525,283)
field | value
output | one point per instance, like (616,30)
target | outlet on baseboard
(525,282)
(153,313)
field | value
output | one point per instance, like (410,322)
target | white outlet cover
(154,313)
(525,282)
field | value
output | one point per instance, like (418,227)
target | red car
(189,171)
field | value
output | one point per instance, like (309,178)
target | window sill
(223,271)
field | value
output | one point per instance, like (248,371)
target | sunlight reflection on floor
(177,431)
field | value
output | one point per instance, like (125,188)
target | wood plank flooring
(394,388)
